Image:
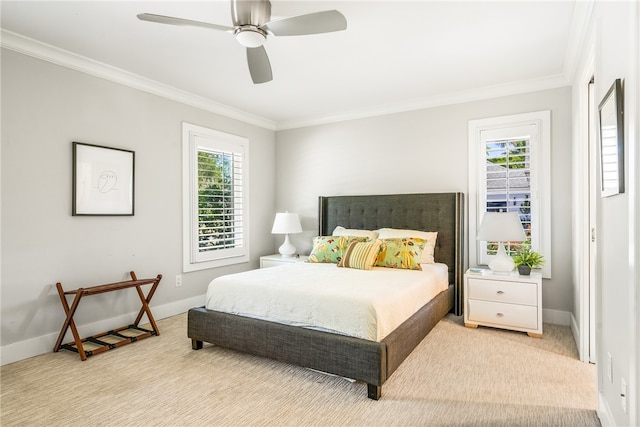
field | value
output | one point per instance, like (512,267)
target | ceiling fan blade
(259,65)
(161,19)
(312,23)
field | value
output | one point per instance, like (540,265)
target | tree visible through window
(219,200)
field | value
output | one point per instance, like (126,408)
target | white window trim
(189,194)
(542,121)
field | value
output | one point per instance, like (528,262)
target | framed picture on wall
(612,141)
(103,180)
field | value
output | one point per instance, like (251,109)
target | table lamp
(286,223)
(501,227)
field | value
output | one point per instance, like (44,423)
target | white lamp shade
(501,227)
(286,223)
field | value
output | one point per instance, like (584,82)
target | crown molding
(55,55)
(577,34)
(478,94)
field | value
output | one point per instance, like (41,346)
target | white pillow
(341,231)
(429,236)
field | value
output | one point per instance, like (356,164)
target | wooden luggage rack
(112,339)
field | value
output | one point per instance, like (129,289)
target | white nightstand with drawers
(507,301)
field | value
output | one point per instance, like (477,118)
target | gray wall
(44,108)
(420,151)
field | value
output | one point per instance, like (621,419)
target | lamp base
(501,262)
(287,249)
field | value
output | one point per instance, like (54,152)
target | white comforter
(364,304)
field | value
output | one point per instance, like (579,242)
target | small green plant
(525,256)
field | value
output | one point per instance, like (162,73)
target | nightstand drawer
(503,291)
(519,316)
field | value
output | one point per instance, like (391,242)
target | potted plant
(526,259)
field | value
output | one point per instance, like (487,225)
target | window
(215,198)
(509,172)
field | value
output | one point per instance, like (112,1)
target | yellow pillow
(361,255)
(428,236)
(402,253)
(331,249)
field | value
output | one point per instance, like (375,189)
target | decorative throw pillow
(341,231)
(361,255)
(402,253)
(429,236)
(331,248)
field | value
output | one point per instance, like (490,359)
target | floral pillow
(361,255)
(429,237)
(331,249)
(404,253)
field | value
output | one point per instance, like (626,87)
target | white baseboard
(604,412)
(44,344)
(575,331)
(556,317)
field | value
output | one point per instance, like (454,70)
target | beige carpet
(455,377)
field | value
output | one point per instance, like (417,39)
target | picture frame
(103,180)
(611,135)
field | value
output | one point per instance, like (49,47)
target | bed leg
(195,344)
(374,391)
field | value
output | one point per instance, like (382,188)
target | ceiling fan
(252,24)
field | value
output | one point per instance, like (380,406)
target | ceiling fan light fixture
(250,36)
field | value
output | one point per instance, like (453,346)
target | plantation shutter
(220,201)
(509,183)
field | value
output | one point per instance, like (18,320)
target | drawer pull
(500,314)
(500,292)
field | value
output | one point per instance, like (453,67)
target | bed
(360,359)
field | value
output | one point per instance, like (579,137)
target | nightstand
(507,301)
(277,259)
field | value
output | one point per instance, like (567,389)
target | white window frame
(193,138)
(540,143)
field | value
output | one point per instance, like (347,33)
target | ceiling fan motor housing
(250,12)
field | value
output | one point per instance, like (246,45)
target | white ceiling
(394,55)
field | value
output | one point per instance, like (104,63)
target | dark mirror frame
(612,141)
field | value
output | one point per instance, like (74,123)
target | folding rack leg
(145,302)
(68,321)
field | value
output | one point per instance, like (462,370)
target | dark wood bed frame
(368,361)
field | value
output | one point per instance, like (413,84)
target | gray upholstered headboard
(441,212)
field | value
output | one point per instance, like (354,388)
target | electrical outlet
(623,396)
(609,368)
(178,280)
